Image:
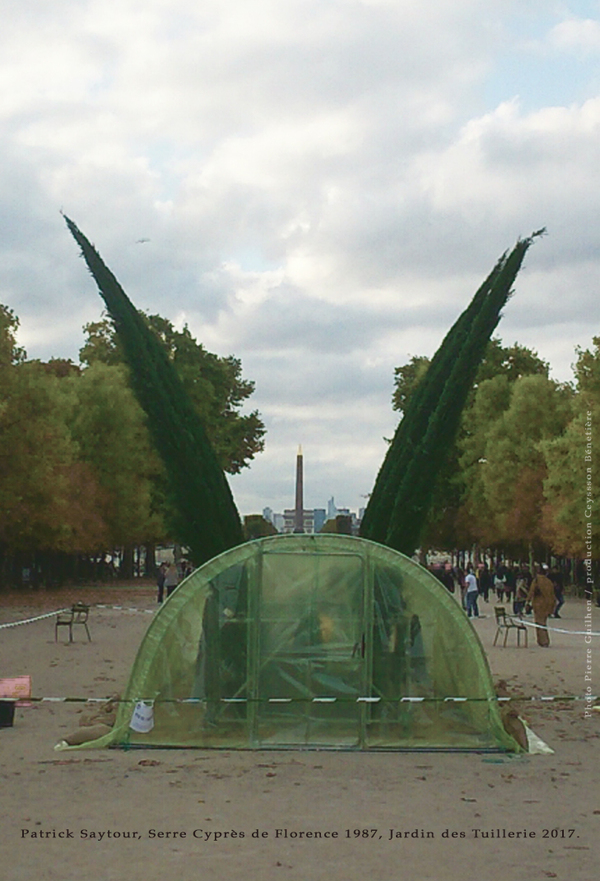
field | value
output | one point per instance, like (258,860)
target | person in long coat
(542,599)
(171,578)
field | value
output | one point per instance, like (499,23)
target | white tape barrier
(68,609)
(30,620)
(556,629)
(559,698)
(153,611)
(128,609)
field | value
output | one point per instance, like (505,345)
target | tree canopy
(510,361)
(515,478)
(214,384)
(571,519)
(79,474)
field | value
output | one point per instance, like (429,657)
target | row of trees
(79,475)
(517,479)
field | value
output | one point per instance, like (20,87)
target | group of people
(169,576)
(540,593)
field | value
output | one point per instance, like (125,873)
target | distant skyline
(298,510)
(316,186)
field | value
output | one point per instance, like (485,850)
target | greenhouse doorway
(311,657)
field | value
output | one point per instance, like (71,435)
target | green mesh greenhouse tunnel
(303,641)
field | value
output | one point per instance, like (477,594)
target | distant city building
(319,518)
(290,521)
(276,519)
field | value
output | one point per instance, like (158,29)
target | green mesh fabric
(312,641)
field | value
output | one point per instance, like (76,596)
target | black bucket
(7,713)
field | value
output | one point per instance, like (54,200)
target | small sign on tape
(142,719)
(16,687)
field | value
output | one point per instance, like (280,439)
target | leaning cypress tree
(205,517)
(415,493)
(404,495)
(416,418)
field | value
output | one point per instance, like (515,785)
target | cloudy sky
(322,183)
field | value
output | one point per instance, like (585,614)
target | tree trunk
(150,561)
(127,562)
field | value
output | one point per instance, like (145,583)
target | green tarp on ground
(323,641)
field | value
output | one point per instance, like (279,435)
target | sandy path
(202,793)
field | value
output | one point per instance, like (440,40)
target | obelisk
(299,509)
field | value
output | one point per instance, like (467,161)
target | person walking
(542,599)
(558,580)
(471,594)
(521,591)
(510,588)
(485,582)
(171,578)
(500,582)
(459,578)
(160,581)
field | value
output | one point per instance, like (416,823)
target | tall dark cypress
(404,495)
(414,423)
(206,519)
